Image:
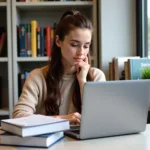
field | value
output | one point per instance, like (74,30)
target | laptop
(112,108)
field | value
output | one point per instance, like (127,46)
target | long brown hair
(69,21)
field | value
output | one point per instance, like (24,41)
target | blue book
(136,67)
(45,140)
(22,38)
(26,74)
(42,41)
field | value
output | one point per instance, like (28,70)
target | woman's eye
(87,46)
(74,45)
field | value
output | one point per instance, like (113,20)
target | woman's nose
(80,51)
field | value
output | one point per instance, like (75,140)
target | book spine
(26,74)
(33,38)
(21,81)
(45,42)
(52,37)
(29,40)
(22,39)
(42,40)
(2,39)
(2,43)
(48,40)
(38,41)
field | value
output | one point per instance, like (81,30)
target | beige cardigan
(35,91)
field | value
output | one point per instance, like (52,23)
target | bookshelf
(46,13)
(6,95)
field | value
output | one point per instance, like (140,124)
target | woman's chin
(75,63)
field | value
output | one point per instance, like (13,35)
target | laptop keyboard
(76,131)
(74,127)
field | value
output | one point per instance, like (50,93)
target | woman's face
(75,46)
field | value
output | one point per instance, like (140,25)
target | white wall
(117,22)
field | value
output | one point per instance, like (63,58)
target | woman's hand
(74,118)
(82,69)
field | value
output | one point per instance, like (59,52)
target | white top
(127,142)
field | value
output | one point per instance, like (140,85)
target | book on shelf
(118,66)
(34,25)
(1,92)
(111,73)
(34,125)
(126,70)
(44,140)
(22,76)
(3,41)
(22,35)
(136,66)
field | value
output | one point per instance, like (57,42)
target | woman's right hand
(74,118)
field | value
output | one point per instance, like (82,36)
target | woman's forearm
(81,84)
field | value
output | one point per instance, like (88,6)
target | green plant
(145,74)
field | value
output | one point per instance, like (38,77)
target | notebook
(113,108)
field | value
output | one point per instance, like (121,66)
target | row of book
(33,40)
(2,41)
(33,131)
(129,68)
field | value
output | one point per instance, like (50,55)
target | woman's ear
(57,41)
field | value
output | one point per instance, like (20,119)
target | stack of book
(33,131)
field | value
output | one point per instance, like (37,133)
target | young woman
(56,89)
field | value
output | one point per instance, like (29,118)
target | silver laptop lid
(114,108)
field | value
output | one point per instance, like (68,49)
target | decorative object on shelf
(145,73)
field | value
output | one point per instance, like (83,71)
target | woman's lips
(78,59)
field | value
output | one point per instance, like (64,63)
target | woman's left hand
(82,69)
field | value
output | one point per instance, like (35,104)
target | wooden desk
(128,142)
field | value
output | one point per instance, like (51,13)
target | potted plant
(145,74)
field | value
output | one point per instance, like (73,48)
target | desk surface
(127,142)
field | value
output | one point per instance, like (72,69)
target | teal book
(22,40)
(136,67)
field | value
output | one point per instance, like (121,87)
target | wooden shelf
(30,59)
